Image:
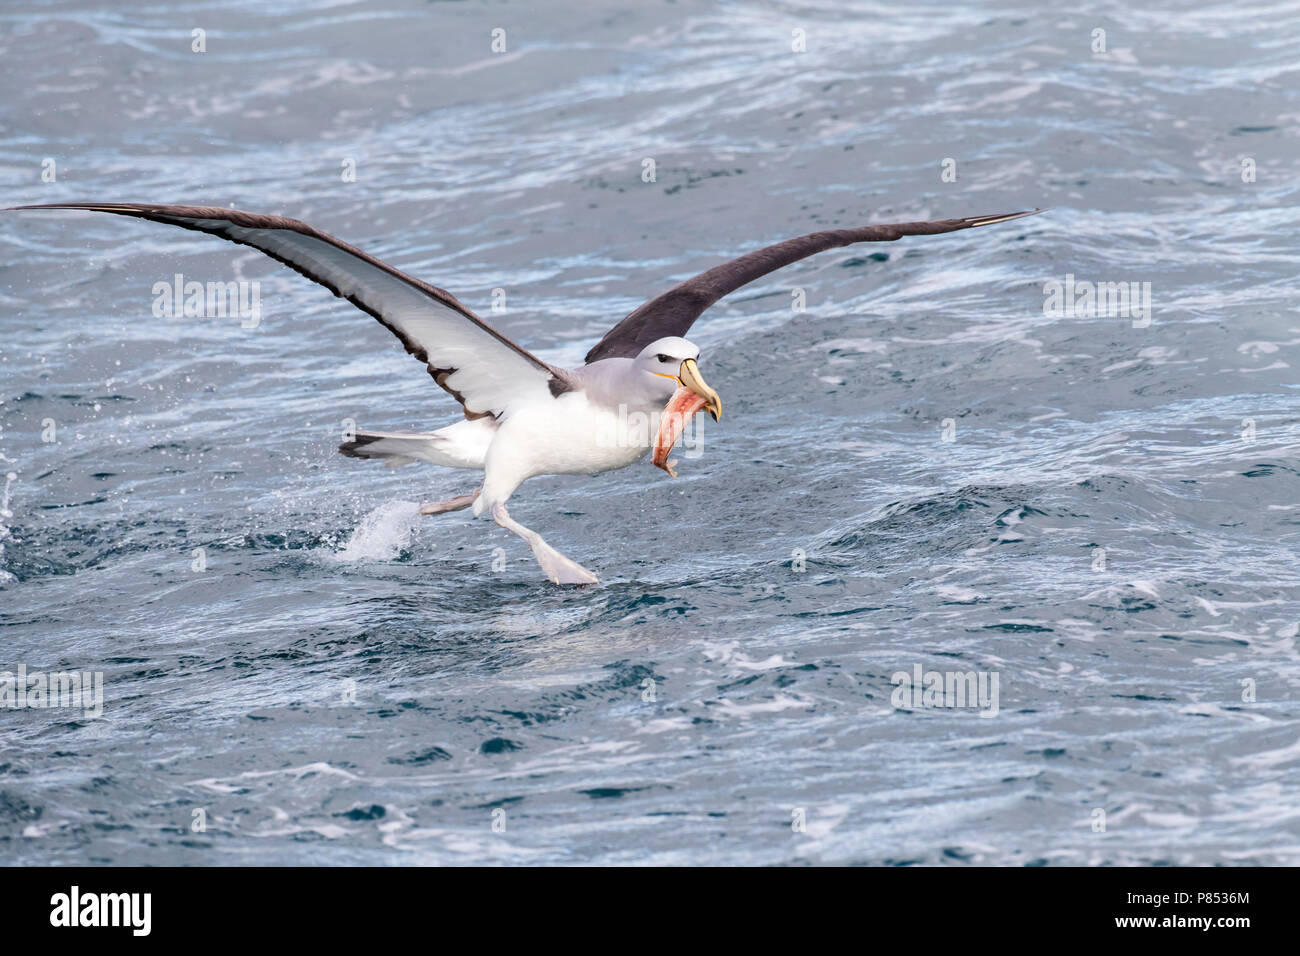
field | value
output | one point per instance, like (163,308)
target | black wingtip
(1004,217)
(87,206)
(123,208)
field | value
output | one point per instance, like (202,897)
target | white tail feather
(462,445)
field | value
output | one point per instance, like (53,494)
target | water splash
(5,515)
(382,534)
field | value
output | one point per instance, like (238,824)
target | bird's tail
(463,445)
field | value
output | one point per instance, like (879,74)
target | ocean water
(925,469)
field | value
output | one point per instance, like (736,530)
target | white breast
(572,435)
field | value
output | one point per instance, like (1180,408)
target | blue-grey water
(924,468)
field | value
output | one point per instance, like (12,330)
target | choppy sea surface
(925,468)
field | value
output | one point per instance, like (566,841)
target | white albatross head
(674,360)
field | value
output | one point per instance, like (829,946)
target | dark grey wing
(674,312)
(481,368)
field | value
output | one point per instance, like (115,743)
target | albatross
(523,416)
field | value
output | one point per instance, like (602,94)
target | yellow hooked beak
(690,377)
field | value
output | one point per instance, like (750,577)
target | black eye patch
(663,358)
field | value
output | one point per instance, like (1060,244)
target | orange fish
(680,409)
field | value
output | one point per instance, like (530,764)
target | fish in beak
(694,394)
